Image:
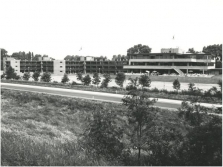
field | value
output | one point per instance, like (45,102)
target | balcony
(172,60)
(166,67)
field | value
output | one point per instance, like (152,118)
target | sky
(108,27)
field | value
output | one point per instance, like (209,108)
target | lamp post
(99,70)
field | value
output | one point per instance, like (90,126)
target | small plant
(3,76)
(26,76)
(96,79)
(36,76)
(120,78)
(10,73)
(107,79)
(65,79)
(176,84)
(46,77)
(144,81)
(17,77)
(87,80)
(80,76)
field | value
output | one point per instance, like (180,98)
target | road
(99,96)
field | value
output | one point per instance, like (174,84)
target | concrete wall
(59,67)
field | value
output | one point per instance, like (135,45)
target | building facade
(84,65)
(172,60)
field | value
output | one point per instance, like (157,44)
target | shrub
(107,79)
(144,81)
(46,77)
(176,84)
(26,76)
(80,76)
(120,78)
(65,78)
(131,87)
(36,75)
(17,77)
(96,79)
(10,73)
(87,80)
(3,76)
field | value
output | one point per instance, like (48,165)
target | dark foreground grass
(39,129)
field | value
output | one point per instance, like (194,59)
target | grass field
(44,130)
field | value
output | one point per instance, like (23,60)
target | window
(15,66)
(61,66)
(16,62)
(61,62)
(61,71)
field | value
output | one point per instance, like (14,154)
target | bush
(120,78)
(176,84)
(65,79)
(107,79)
(131,87)
(36,75)
(144,80)
(46,77)
(96,79)
(10,73)
(26,76)
(17,77)
(80,76)
(87,80)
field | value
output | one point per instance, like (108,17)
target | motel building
(170,60)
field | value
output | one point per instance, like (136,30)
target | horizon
(106,28)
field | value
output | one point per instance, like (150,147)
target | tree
(36,75)
(176,84)
(3,54)
(139,49)
(87,80)
(144,80)
(106,80)
(133,84)
(191,50)
(215,50)
(96,79)
(80,76)
(140,116)
(102,136)
(26,76)
(36,57)
(120,78)
(10,73)
(65,78)
(203,143)
(46,77)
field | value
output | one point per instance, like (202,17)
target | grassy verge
(39,129)
(155,93)
(212,80)
(45,130)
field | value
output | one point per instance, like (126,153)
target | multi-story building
(170,61)
(83,64)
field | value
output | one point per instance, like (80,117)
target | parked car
(154,73)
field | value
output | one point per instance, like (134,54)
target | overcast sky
(108,27)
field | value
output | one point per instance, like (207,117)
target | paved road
(107,97)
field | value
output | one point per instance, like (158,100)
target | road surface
(99,96)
